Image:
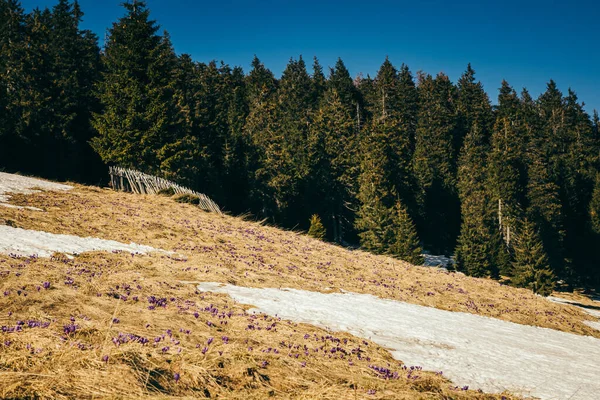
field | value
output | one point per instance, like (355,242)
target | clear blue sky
(525,42)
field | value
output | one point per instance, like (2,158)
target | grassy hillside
(125,326)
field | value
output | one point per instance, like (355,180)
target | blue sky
(525,42)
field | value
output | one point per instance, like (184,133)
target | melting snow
(472,350)
(10,183)
(25,242)
(430,260)
(595,312)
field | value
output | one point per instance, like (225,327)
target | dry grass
(109,296)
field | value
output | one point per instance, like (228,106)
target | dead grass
(109,298)
(228,249)
(108,337)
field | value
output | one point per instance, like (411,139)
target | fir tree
(375,216)
(479,251)
(395,123)
(75,70)
(508,102)
(507,176)
(405,244)
(341,81)
(333,153)
(260,82)
(473,107)
(139,115)
(13,71)
(434,163)
(316,230)
(531,268)
(319,83)
(594,207)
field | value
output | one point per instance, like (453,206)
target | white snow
(11,183)
(595,312)
(472,350)
(431,260)
(26,242)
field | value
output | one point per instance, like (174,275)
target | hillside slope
(72,325)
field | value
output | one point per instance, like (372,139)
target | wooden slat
(123,179)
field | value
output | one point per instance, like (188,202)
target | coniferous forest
(395,163)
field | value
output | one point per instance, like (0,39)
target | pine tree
(333,154)
(531,268)
(395,120)
(545,208)
(434,164)
(374,219)
(12,82)
(479,251)
(316,230)
(594,207)
(260,82)
(508,102)
(341,81)
(507,176)
(319,83)
(473,107)
(237,147)
(75,59)
(405,244)
(259,126)
(288,169)
(139,116)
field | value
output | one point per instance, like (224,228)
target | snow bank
(472,350)
(25,242)
(10,183)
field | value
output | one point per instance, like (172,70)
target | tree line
(396,162)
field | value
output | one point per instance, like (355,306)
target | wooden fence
(129,180)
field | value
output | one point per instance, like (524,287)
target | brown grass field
(117,325)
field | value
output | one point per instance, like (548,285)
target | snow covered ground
(11,183)
(472,350)
(26,242)
(430,260)
(595,312)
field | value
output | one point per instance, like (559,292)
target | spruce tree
(434,164)
(139,116)
(260,82)
(405,244)
(75,59)
(319,83)
(289,168)
(13,71)
(341,81)
(531,267)
(333,154)
(479,251)
(374,219)
(316,230)
(473,106)
(395,119)
(507,177)
(508,102)
(594,207)
(237,147)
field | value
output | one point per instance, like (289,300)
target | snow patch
(472,350)
(20,207)
(591,311)
(11,183)
(24,242)
(430,260)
